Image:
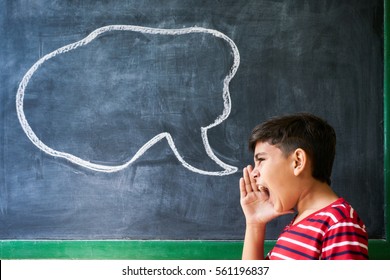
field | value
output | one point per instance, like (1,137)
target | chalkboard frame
(203,249)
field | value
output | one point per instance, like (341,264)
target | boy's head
(306,131)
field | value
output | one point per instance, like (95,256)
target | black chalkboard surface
(130,119)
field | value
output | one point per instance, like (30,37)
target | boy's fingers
(251,179)
(247,179)
(242,188)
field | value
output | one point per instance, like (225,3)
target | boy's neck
(313,198)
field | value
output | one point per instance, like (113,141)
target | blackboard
(128,120)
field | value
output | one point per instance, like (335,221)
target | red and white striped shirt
(332,233)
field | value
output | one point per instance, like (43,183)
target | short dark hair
(302,130)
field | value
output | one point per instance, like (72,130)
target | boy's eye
(259,159)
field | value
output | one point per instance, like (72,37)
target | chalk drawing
(227,169)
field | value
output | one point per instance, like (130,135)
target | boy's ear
(299,161)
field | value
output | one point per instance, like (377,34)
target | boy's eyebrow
(260,154)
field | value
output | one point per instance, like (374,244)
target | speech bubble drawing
(227,169)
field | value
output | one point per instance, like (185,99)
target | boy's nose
(255,173)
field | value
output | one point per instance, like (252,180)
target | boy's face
(274,174)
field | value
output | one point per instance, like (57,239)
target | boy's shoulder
(338,211)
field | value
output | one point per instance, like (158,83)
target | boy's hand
(255,203)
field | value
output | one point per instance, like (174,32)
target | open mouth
(264,189)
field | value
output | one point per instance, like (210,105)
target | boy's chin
(279,208)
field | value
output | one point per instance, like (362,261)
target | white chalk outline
(228,169)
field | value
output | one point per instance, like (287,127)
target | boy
(293,163)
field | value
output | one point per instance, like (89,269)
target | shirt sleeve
(345,240)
